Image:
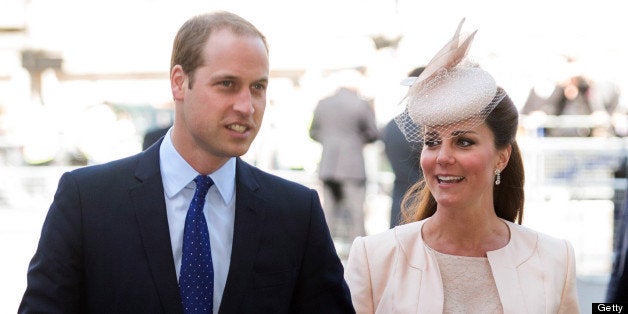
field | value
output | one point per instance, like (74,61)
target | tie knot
(203,183)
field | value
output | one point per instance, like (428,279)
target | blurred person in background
(463,249)
(403,157)
(343,124)
(119,237)
(577,95)
(617,290)
(163,122)
(152,136)
(570,97)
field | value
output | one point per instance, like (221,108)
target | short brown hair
(190,39)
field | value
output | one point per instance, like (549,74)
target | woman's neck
(465,233)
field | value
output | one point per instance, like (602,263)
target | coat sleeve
(321,287)
(569,298)
(54,278)
(358,278)
(315,128)
(368,125)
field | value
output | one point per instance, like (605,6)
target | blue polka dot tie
(196,279)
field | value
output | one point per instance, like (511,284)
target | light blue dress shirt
(177,176)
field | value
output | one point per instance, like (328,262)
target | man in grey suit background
(343,124)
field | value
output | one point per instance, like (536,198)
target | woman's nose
(445,155)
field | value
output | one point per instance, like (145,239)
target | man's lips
(240,128)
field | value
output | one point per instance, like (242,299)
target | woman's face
(459,167)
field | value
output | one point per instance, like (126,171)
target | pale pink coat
(394,272)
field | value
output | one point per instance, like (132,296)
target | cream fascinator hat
(448,93)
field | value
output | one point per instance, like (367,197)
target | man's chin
(238,150)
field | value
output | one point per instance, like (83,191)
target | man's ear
(178,82)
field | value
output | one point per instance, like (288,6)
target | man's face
(220,114)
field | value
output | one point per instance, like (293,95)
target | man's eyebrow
(231,77)
(225,77)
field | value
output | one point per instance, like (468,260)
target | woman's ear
(504,156)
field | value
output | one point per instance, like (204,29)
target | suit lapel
(249,220)
(150,208)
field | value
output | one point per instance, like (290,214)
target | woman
(461,250)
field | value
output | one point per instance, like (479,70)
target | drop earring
(498,176)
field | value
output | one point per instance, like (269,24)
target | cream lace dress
(468,284)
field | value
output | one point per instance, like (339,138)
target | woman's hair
(187,49)
(508,197)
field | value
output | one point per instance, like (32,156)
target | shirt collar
(177,174)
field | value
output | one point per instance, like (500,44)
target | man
(403,157)
(117,236)
(154,135)
(617,289)
(343,123)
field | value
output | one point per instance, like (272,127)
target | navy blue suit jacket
(404,158)
(105,246)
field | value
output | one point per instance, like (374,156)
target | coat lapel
(150,209)
(422,275)
(249,220)
(515,269)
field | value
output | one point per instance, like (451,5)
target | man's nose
(244,102)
